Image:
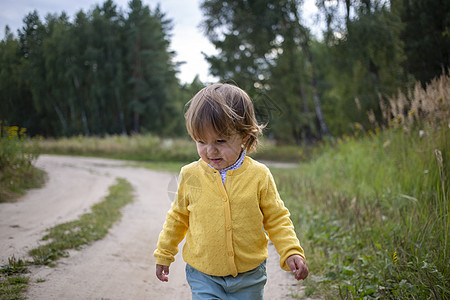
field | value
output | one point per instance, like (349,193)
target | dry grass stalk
(419,106)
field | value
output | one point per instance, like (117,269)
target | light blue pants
(245,286)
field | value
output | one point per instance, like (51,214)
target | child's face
(220,152)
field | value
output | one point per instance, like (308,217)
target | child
(226,204)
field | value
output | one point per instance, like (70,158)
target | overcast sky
(187,40)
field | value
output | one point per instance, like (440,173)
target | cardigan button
(230,253)
(228,227)
(225,199)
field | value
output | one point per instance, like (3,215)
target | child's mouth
(216,160)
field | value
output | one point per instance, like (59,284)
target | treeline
(107,72)
(111,72)
(370,49)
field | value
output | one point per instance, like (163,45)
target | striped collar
(237,164)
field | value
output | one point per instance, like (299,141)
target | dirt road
(121,266)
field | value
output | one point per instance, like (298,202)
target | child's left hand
(297,264)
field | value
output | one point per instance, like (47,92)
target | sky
(187,39)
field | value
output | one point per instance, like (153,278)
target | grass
(17,172)
(372,211)
(360,204)
(89,227)
(12,279)
(156,150)
(146,147)
(173,167)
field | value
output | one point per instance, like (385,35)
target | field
(373,215)
(371,209)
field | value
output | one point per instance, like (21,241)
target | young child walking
(227,205)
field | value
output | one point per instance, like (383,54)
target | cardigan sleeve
(175,227)
(277,222)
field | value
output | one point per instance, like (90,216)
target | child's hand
(161,272)
(297,264)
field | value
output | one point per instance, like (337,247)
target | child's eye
(200,142)
(221,141)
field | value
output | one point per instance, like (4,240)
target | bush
(16,163)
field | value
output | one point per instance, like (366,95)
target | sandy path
(120,266)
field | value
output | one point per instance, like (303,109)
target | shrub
(16,163)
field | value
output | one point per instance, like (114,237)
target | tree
(56,49)
(32,64)
(105,55)
(80,70)
(255,40)
(15,97)
(426,36)
(151,71)
(242,31)
(361,62)
(104,73)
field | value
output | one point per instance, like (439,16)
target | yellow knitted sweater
(223,224)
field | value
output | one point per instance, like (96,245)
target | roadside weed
(17,153)
(12,279)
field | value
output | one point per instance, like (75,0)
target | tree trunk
(318,108)
(347,15)
(85,123)
(136,122)
(83,112)
(61,119)
(304,44)
(317,103)
(121,113)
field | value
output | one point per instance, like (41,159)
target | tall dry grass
(418,107)
(373,212)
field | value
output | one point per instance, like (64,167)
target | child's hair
(227,110)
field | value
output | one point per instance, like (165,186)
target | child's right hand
(161,272)
(298,266)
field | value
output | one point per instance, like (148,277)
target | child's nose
(211,149)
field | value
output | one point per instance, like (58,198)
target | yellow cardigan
(223,225)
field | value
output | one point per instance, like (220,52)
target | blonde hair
(227,110)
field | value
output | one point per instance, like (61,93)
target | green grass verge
(149,148)
(70,235)
(13,280)
(15,182)
(173,167)
(89,227)
(373,216)
(146,147)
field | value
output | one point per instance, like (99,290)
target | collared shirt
(237,164)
